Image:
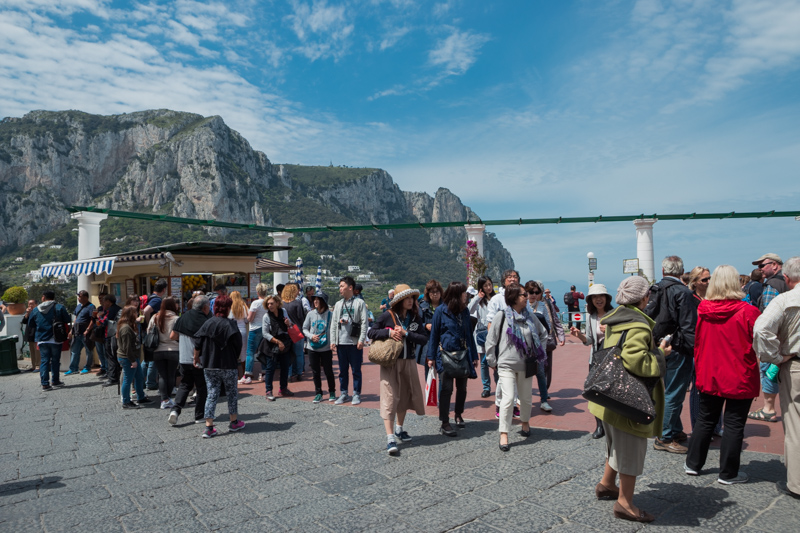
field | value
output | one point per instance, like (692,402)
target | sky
(523,108)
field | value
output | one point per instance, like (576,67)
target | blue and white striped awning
(96,265)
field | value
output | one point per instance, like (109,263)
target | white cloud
(323,30)
(457,52)
(393,37)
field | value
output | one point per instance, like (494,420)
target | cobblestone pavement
(73,458)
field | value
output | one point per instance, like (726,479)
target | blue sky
(522,108)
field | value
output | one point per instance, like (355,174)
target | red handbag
(295,334)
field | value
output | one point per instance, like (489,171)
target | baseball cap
(772,257)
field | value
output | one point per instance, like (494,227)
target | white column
(281,238)
(88,240)
(475,233)
(644,246)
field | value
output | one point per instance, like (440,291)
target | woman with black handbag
(400,388)
(626,440)
(276,346)
(515,346)
(452,348)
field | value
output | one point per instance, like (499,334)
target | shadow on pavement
(16,487)
(697,503)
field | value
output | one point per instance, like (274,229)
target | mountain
(187,165)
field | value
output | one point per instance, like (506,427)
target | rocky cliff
(187,165)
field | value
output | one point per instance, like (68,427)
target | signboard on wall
(130,287)
(254,279)
(630,266)
(175,286)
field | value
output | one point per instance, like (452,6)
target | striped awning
(140,257)
(96,265)
(268,265)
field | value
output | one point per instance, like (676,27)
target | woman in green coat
(626,441)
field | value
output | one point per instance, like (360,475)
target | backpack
(60,333)
(569,298)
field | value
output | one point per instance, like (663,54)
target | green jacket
(640,359)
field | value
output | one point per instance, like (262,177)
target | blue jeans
(541,379)
(269,371)
(131,374)
(679,374)
(299,360)
(151,374)
(51,360)
(253,340)
(485,378)
(349,357)
(101,354)
(78,344)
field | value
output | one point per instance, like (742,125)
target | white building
(55,246)
(354,268)
(19,259)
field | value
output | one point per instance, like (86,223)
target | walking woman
(129,355)
(626,441)
(276,345)
(450,331)
(400,388)
(727,373)
(166,357)
(293,308)
(598,303)
(317,330)
(515,335)
(217,346)
(432,298)
(255,318)
(239,313)
(478,309)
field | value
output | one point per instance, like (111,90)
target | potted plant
(15,299)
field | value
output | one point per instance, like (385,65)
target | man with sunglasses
(774,283)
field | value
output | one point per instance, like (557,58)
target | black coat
(219,343)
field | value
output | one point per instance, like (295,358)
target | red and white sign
(576,317)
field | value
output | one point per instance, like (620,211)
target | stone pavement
(72,458)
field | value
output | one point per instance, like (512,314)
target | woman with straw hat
(598,303)
(400,387)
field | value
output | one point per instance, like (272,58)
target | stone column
(644,246)
(88,240)
(281,238)
(475,233)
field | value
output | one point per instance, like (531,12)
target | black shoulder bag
(456,364)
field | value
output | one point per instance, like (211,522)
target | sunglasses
(535,292)
(762,265)
(705,280)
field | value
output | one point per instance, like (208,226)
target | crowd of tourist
(729,337)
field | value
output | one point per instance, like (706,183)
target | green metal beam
(429,225)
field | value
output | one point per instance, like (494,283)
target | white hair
(672,265)
(791,268)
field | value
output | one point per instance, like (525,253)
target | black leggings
(445,391)
(324,359)
(167,367)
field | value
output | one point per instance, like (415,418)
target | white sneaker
(167,404)
(742,477)
(689,471)
(545,407)
(356,399)
(341,399)
(173,417)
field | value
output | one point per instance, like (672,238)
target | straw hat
(401,292)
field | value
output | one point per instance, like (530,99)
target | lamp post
(592,267)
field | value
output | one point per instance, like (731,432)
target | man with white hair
(776,339)
(385,301)
(671,307)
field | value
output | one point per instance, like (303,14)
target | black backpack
(569,298)
(60,333)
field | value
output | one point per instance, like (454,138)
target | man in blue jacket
(84,320)
(43,317)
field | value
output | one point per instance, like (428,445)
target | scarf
(514,321)
(190,322)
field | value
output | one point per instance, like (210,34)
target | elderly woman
(218,344)
(598,303)
(516,335)
(727,373)
(626,440)
(400,388)
(450,331)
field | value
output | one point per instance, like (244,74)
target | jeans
(167,365)
(485,378)
(131,374)
(298,361)
(446,391)
(101,355)
(253,340)
(349,357)
(78,344)
(191,376)
(731,447)
(151,374)
(51,361)
(269,372)
(324,360)
(541,379)
(548,371)
(679,373)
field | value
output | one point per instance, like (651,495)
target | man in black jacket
(672,309)
(109,325)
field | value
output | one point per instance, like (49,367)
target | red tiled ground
(570,366)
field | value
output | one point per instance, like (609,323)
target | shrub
(15,295)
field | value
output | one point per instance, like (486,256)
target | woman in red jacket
(726,370)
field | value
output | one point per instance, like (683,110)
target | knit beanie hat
(632,290)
